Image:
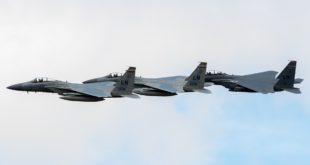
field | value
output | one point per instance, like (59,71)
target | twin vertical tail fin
(286,78)
(196,81)
(125,85)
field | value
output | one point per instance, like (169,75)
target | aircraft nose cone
(15,87)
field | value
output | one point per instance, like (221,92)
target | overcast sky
(79,40)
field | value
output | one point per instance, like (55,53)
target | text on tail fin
(197,78)
(287,77)
(125,85)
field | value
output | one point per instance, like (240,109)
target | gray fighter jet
(82,92)
(263,82)
(165,86)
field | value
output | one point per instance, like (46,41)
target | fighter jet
(82,92)
(263,82)
(165,86)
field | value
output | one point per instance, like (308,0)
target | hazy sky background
(79,40)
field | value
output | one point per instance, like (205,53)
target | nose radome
(15,87)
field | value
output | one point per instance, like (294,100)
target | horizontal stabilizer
(132,96)
(207,84)
(293,90)
(298,80)
(205,91)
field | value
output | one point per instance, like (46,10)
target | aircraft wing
(100,89)
(262,82)
(161,86)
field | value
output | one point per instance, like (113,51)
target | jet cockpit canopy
(113,75)
(214,72)
(41,79)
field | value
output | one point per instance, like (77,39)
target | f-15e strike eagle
(165,86)
(82,92)
(114,85)
(263,82)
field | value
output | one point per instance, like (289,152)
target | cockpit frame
(214,72)
(41,79)
(114,75)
